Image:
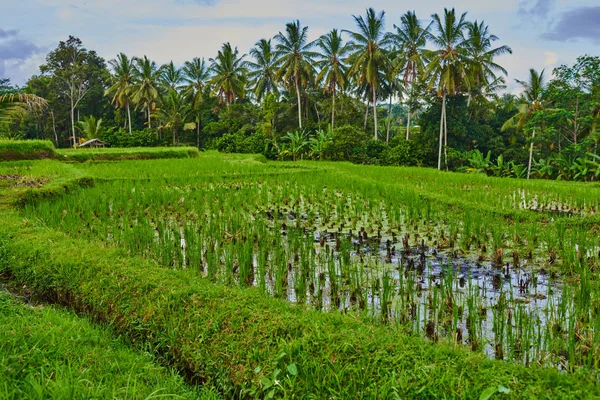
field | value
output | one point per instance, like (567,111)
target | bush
(144,138)
(348,144)
(401,153)
(242,141)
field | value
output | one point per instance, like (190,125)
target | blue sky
(542,33)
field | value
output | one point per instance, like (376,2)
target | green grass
(11,150)
(135,153)
(50,353)
(83,248)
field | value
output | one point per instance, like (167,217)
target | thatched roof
(91,142)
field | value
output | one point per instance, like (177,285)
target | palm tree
(410,38)
(122,80)
(170,76)
(229,74)
(332,69)
(12,103)
(294,59)
(392,86)
(262,70)
(196,74)
(448,64)
(482,68)
(174,112)
(144,91)
(91,127)
(531,101)
(368,58)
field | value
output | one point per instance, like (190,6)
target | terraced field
(306,279)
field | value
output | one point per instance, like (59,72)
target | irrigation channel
(435,271)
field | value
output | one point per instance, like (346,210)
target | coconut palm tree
(122,84)
(367,55)
(229,74)
(12,103)
(294,60)
(196,75)
(262,69)
(174,112)
(448,64)
(482,69)
(330,62)
(144,91)
(531,101)
(171,76)
(410,39)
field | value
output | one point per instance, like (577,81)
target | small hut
(93,143)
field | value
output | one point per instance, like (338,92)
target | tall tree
(145,91)
(531,101)
(262,69)
(174,112)
(229,74)
(482,68)
(330,62)
(74,71)
(368,58)
(410,40)
(196,75)
(122,80)
(170,76)
(448,64)
(294,59)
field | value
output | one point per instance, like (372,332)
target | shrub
(348,144)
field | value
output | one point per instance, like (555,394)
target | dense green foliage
(114,257)
(437,85)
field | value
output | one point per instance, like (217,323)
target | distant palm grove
(424,92)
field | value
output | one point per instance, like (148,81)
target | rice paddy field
(259,279)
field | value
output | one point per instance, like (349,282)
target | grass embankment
(135,153)
(50,353)
(12,150)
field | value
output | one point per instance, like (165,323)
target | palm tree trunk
(389,122)
(530,155)
(408,126)
(149,122)
(129,117)
(367,113)
(445,135)
(299,102)
(374,112)
(198,131)
(333,109)
(441,132)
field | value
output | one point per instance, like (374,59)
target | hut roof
(92,142)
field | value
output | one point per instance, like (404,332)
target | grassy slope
(11,150)
(237,340)
(49,353)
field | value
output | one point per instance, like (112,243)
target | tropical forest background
(409,91)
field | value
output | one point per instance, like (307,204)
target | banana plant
(297,143)
(318,142)
(479,163)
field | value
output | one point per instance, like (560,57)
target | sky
(543,34)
